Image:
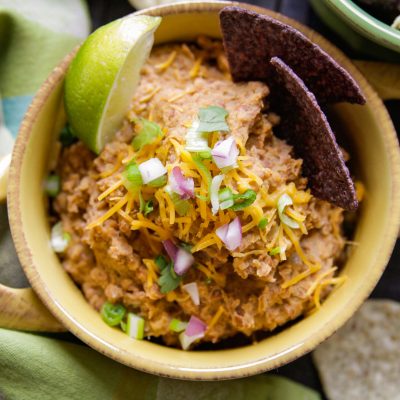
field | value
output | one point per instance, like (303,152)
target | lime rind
(103,76)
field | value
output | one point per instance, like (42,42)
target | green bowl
(364,33)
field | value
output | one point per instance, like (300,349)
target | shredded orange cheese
(194,72)
(111,189)
(109,213)
(167,63)
(216,317)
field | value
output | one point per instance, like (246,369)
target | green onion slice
(262,224)
(274,251)
(158,182)
(244,200)
(52,185)
(132,178)
(284,201)
(59,239)
(177,326)
(148,207)
(182,206)
(112,314)
(135,326)
(199,163)
(148,132)
(197,141)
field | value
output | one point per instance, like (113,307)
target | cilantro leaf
(161,262)
(168,280)
(148,132)
(212,119)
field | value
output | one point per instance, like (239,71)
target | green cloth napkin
(34,36)
(36,367)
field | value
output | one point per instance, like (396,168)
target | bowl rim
(366,24)
(251,366)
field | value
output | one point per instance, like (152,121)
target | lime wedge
(103,76)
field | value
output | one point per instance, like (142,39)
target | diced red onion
(151,169)
(183,261)
(215,185)
(170,248)
(193,291)
(181,185)
(225,153)
(195,327)
(231,234)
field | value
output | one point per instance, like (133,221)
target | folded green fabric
(36,367)
(34,36)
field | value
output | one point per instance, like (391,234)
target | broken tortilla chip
(252,39)
(361,360)
(307,129)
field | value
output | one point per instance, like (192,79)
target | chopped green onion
(244,200)
(59,239)
(52,185)
(274,251)
(149,131)
(284,201)
(236,202)
(123,326)
(177,326)
(263,223)
(212,119)
(135,326)
(160,181)
(225,196)
(132,178)
(205,155)
(112,314)
(181,206)
(142,203)
(199,163)
(196,141)
(148,207)
(133,174)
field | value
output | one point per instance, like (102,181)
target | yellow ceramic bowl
(375,152)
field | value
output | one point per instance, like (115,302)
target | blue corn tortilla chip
(252,39)
(306,128)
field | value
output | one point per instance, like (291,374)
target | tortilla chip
(306,128)
(361,361)
(252,39)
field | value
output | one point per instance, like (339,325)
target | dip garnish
(59,239)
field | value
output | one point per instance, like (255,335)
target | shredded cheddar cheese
(167,63)
(111,189)
(216,317)
(109,213)
(194,72)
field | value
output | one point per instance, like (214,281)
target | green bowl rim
(366,24)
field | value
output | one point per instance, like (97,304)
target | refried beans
(279,271)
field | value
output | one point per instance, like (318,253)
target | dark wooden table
(301,370)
